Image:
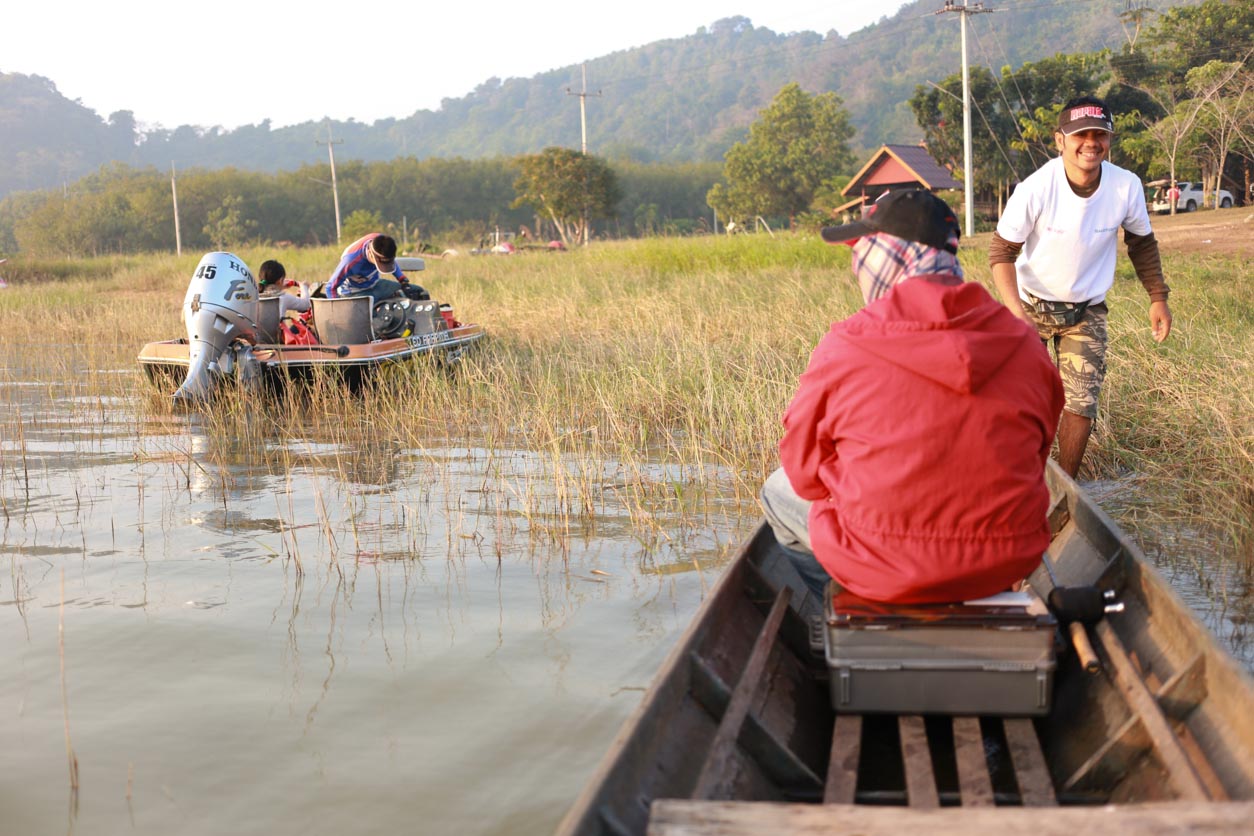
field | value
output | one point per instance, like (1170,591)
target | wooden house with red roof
(896,167)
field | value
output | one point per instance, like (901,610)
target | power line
(1022,99)
(992,134)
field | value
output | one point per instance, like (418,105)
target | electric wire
(1022,99)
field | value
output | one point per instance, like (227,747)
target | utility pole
(335,191)
(174,192)
(583,114)
(968,186)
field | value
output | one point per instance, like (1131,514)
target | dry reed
(652,373)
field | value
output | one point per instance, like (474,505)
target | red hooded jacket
(920,431)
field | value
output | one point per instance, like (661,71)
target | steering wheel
(388,318)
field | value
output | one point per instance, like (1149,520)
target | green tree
(572,188)
(1227,119)
(1183,110)
(361,222)
(1180,99)
(938,111)
(1185,37)
(226,225)
(799,142)
(661,198)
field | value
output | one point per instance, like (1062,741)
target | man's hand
(1007,285)
(1160,320)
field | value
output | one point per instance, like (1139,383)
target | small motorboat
(235,334)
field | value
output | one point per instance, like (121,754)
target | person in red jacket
(914,450)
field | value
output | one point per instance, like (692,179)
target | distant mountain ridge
(681,99)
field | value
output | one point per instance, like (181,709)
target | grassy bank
(676,351)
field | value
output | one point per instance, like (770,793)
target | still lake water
(392,650)
(396,647)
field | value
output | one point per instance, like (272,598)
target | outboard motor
(220,308)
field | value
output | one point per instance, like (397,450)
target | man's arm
(1146,260)
(336,280)
(1001,258)
(805,446)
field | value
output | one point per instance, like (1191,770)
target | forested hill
(682,99)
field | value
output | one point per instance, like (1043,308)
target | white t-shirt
(1069,241)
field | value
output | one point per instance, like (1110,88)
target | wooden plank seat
(732,818)
(924,757)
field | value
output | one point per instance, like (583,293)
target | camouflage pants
(1080,352)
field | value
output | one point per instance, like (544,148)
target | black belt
(1062,313)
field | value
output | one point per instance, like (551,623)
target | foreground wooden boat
(737,733)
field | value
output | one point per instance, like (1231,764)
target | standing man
(913,457)
(1053,259)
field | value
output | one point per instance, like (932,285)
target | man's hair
(270,272)
(384,247)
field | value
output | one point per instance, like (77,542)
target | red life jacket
(296,331)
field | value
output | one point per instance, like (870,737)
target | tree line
(1183,95)
(683,99)
(427,203)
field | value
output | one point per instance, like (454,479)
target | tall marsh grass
(639,369)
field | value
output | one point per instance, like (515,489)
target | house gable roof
(897,167)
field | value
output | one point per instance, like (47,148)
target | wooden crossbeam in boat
(973,777)
(774,756)
(1112,757)
(842,767)
(1180,771)
(1177,697)
(917,760)
(1036,789)
(716,771)
(1184,690)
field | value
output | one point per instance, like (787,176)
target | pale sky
(237,62)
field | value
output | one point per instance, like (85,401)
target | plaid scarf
(882,260)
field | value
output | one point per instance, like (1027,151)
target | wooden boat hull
(740,713)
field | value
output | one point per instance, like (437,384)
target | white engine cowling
(220,308)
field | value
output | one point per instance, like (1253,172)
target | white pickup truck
(1190,199)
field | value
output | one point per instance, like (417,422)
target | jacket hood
(940,328)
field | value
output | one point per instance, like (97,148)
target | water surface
(406,640)
(426,640)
